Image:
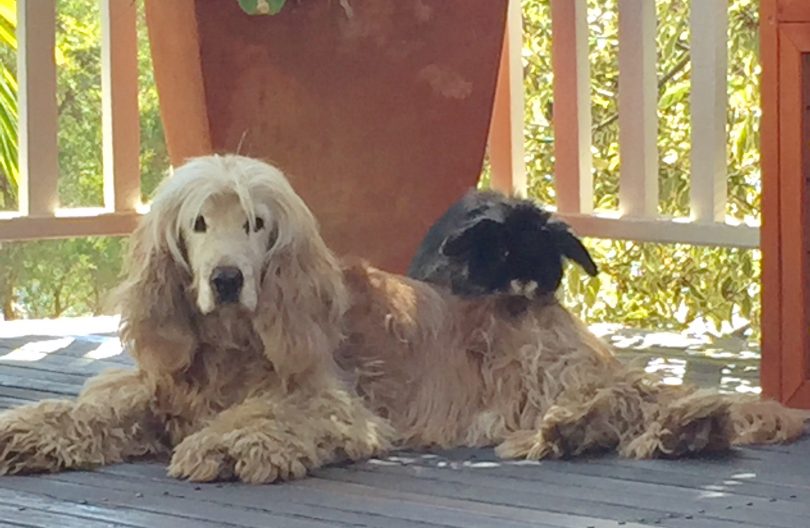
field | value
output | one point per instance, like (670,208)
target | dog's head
(514,247)
(226,235)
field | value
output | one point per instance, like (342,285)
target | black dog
(488,243)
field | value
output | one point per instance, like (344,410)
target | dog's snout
(227,283)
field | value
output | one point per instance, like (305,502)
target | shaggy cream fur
(453,372)
(247,389)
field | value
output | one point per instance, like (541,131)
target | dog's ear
(572,247)
(484,232)
(302,298)
(156,314)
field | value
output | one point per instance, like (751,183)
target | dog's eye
(259,225)
(199,225)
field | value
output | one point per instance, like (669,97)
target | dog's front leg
(281,437)
(109,422)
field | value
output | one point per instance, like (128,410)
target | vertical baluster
(506,130)
(709,49)
(572,106)
(36,72)
(120,118)
(638,100)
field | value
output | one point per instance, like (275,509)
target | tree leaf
(261,7)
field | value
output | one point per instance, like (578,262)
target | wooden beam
(36,71)
(572,106)
(506,155)
(663,230)
(37,227)
(119,99)
(771,363)
(638,109)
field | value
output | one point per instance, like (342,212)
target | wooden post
(120,117)
(638,102)
(709,52)
(572,106)
(506,154)
(39,164)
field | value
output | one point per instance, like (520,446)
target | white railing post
(120,117)
(572,106)
(709,53)
(638,101)
(506,154)
(36,72)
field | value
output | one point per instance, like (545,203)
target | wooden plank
(29,228)
(119,100)
(10,381)
(22,514)
(794,11)
(67,378)
(549,499)
(89,511)
(86,368)
(708,22)
(666,500)
(36,73)
(572,106)
(663,230)
(794,72)
(141,505)
(638,107)
(506,153)
(333,503)
(30,394)
(488,514)
(771,297)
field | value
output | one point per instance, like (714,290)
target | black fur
(497,239)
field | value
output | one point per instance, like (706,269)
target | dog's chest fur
(228,367)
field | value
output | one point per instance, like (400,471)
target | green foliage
(9,177)
(641,284)
(654,285)
(71,277)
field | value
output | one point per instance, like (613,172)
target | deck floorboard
(462,488)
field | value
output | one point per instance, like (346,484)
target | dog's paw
(201,457)
(30,443)
(258,460)
(531,445)
(250,457)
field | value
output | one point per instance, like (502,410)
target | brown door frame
(785,137)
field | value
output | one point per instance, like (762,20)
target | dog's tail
(756,421)
(705,421)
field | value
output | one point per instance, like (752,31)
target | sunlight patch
(37,350)
(108,348)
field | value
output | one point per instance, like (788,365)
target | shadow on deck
(763,487)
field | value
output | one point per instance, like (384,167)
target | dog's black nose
(227,283)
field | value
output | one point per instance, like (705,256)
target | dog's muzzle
(227,281)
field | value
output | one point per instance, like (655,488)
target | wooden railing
(39,214)
(637,217)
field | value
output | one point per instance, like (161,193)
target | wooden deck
(765,487)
